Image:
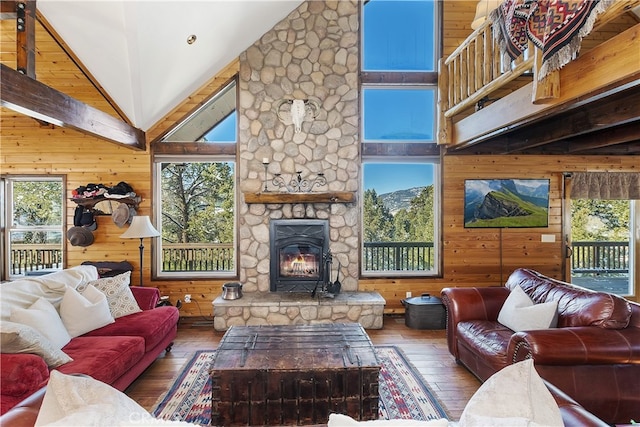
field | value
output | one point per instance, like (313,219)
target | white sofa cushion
(24,292)
(83,401)
(519,313)
(43,317)
(84,312)
(514,396)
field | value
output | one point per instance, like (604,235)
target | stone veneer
(311,54)
(366,308)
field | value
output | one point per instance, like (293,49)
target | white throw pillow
(339,420)
(43,317)
(519,313)
(17,338)
(513,396)
(83,401)
(121,300)
(84,312)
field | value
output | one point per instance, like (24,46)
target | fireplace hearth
(299,249)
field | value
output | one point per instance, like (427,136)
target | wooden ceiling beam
(34,99)
(607,113)
(7,9)
(26,37)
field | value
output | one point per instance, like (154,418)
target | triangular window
(214,122)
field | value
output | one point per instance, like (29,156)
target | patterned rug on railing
(403,392)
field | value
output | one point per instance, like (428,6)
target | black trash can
(424,312)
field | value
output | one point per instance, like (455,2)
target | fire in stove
(300,265)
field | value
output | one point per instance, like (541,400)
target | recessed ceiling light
(191,39)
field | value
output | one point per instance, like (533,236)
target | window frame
(401,151)
(157,247)
(6,222)
(437,177)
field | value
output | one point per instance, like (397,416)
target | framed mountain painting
(506,203)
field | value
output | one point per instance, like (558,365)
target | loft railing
(474,71)
(587,257)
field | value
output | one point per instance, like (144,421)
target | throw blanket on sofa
(557,27)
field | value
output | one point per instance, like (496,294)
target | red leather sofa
(115,354)
(593,355)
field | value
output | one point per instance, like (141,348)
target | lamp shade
(483,9)
(140,227)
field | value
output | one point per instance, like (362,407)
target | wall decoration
(506,203)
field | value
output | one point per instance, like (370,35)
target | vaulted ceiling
(138,51)
(138,54)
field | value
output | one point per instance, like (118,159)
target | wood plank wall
(470,257)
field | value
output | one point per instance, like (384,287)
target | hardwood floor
(426,349)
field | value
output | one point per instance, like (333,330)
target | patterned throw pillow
(17,338)
(120,298)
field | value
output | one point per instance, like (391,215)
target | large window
(194,181)
(401,172)
(34,218)
(197,225)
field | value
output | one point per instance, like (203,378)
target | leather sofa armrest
(25,413)
(584,345)
(573,414)
(147,298)
(465,304)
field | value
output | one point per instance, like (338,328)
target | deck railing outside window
(600,257)
(28,258)
(398,256)
(588,257)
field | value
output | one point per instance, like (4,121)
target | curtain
(605,185)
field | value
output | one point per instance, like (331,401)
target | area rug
(403,392)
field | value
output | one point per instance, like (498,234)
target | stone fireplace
(310,55)
(298,253)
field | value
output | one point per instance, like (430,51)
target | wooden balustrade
(475,70)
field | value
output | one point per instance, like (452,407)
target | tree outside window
(401,170)
(35,222)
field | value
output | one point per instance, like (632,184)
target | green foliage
(37,204)
(599,220)
(414,224)
(197,202)
(378,221)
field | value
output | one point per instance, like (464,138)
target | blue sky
(388,177)
(393,114)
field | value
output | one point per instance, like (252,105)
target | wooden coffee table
(284,375)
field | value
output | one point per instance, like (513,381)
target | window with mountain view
(401,170)
(195,192)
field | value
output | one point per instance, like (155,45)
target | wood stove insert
(299,250)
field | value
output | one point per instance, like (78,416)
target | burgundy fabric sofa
(593,355)
(115,354)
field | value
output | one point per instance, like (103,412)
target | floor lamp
(140,228)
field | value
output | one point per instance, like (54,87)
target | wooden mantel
(319,197)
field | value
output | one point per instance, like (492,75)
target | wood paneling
(470,256)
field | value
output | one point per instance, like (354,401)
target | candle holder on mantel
(298,184)
(265,163)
